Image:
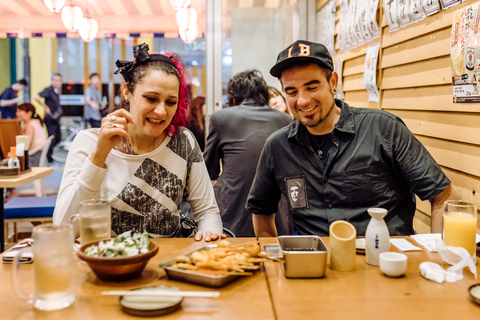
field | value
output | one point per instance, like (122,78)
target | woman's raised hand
(113,130)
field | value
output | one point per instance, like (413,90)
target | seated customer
(335,161)
(33,128)
(142,159)
(236,139)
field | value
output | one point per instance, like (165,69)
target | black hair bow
(126,68)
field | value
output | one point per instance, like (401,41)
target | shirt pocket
(365,186)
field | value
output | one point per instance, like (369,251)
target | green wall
(4,64)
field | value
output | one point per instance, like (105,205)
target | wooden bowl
(118,269)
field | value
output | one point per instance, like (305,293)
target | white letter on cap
(304,50)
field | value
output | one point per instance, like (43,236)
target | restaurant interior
(409,67)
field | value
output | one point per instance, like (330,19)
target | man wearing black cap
(335,161)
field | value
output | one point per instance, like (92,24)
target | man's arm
(264,225)
(10,102)
(437,207)
(92,103)
(40,100)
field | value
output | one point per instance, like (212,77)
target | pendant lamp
(88,29)
(190,35)
(72,15)
(177,4)
(186,18)
(54,5)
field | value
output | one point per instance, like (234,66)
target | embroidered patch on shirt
(297,193)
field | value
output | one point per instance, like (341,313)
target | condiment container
(305,256)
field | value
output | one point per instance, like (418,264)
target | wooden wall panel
(431,45)
(424,73)
(354,66)
(354,82)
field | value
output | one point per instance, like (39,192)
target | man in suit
(9,99)
(234,144)
(53,111)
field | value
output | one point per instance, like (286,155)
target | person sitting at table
(33,128)
(142,159)
(335,161)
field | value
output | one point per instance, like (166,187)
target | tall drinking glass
(460,224)
(53,267)
(95,220)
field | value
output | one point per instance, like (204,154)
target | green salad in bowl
(121,246)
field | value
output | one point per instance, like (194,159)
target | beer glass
(53,267)
(95,220)
(460,224)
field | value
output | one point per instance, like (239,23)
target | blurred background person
(234,144)
(53,111)
(93,102)
(33,128)
(277,100)
(197,120)
(9,99)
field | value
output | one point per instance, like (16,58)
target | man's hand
(209,236)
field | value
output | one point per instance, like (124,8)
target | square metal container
(305,256)
(213,281)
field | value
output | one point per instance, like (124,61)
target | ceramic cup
(393,264)
(342,246)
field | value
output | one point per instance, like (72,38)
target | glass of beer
(460,224)
(53,267)
(95,220)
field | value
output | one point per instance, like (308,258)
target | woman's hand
(113,130)
(209,236)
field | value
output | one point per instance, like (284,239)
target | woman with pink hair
(142,159)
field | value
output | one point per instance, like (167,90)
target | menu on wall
(326,26)
(431,6)
(465,54)
(370,72)
(338,66)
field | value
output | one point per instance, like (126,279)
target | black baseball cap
(302,51)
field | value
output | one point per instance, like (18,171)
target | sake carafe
(377,237)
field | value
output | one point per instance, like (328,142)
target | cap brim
(277,69)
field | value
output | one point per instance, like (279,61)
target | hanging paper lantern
(54,5)
(88,29)
(71,17)
(177,4)
(190,35)
(186,18)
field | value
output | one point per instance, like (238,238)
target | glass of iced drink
(460,224)
(95,220)
(53,267)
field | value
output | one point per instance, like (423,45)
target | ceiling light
(72,16)
(54,5)
(177,4)
(190,35)
(88,29)
(186,18)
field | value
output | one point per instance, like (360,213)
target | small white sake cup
(393,264)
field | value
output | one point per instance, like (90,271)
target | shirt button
(330,205)
(325,178)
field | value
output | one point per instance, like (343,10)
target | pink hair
(183,110)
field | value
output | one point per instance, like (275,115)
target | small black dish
(474,292)
(150,306)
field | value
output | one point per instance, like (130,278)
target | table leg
(2,221)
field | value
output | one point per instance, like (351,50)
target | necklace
(319,146)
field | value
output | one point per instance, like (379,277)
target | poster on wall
(370,72)
(338,67)
(403,11)
(325,32)
(372,18)
(465,54)
(430,6)
(343,25)
(449,3)
(390,11)
(362,19)
(416,10)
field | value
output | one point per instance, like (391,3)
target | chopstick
(164,293)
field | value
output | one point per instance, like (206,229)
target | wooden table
(16,181)
(362,294)
(368,294)
(245,298)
